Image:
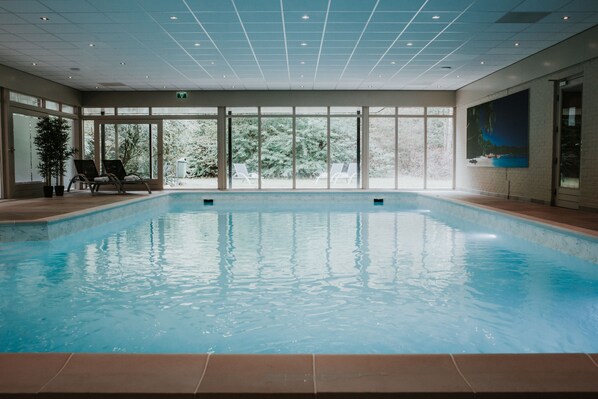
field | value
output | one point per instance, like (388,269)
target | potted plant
(51,141)
(62,154)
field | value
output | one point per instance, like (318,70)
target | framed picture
(498,132)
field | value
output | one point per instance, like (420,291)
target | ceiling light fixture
(304,44)
(91,45)
(70,77)
(436,17)
(566,17)
(482,62)
(147,76)
(301,75)
(392,63)
(197,44)
(123,63)
(302,62)
(212,63)
(380,76)
(224,76)
(517,44)
(410,44)
(173,18)
(305,17)
(44,18)
(34,63)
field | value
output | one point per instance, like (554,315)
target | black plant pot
(48,191)
(59,191)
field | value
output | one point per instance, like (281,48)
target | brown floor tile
(389,376)
(143,375)
(22,373)
(229,376)
(529,374)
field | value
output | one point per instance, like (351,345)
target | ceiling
(280,44)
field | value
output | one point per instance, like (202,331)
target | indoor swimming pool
(290,273)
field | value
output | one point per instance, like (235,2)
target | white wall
(536,73)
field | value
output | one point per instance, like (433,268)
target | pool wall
(569,242)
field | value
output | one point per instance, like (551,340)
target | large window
(277,152)
(243,149)
(311,152)
(439,149)
(283,147)
(382,152)
(25,154)
(410,152)
(190,153)
(345,148)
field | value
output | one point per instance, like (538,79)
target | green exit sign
(181,94)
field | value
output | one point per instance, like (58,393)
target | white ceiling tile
(340,43)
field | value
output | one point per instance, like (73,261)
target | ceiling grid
(280,44)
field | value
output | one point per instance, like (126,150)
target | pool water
(303,277)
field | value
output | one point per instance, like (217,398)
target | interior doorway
(567,165)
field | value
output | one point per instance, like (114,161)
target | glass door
(137,144)
(568,160)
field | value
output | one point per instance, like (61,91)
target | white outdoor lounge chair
(241,172)
(349,174)
(335,170)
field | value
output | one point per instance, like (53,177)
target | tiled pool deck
(66,375)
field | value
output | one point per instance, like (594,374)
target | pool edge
(81,375)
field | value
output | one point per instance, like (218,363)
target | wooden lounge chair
(115,169)
(87,173)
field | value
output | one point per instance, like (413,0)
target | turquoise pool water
(295,276)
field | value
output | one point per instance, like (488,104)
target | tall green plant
(53,151)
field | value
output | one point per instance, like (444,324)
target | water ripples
(297,282)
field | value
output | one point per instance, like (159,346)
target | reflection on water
(315,280)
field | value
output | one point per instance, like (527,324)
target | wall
(25,83)
(272,98)
(537,73)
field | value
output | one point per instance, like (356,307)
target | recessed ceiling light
(301,75)
(482,62)
(410,44)
(164,86)
(173,18)
(197,44)
(123,63)
(458,76)
(224,76)
(97,87)
(305,17)
(436,17)
(302,62)
(301,86)
(147,76)
(211,62)
(233,86)
(380,76)
(392,63)
(91,45)
(566,17)
(517,44)
(70,77)
(34,63)
(44,18)
(304,44)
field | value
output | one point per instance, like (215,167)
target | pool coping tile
(531,374)
(379,376)
(142,375)
(248,376)
(27,373)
